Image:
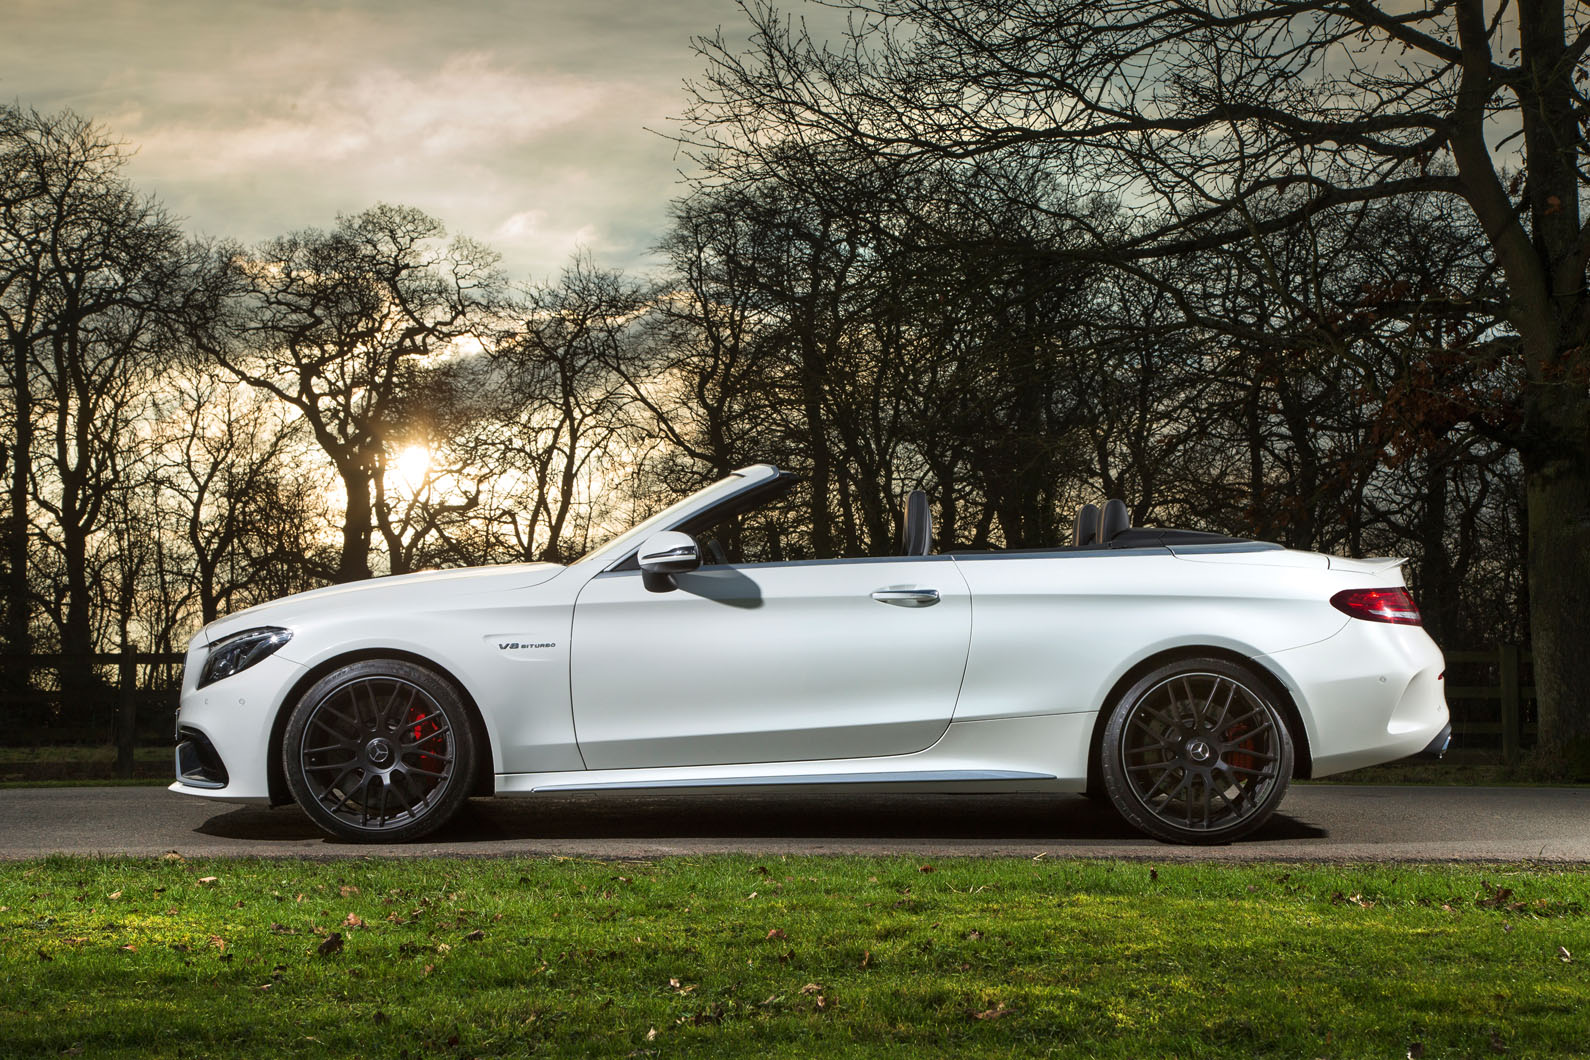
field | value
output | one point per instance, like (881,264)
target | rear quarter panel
(1052,633)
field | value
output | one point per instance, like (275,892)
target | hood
(433,586)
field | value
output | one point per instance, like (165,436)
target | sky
(520,123)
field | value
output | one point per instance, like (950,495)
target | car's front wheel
(380,750)
(1197,751)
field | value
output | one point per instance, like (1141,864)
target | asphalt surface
(1317,822)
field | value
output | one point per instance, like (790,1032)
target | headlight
(238,652)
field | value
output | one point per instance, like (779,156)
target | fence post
(1507,659)
(126,719)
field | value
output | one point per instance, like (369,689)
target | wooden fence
(1509,693)
(120,707)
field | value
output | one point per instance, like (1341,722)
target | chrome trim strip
(925,776)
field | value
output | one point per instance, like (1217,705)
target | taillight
(1379,605)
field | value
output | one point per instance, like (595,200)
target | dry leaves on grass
(993,1012)
(332,945)
(776,933)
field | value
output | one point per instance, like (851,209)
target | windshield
(631,539)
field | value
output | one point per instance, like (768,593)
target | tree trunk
(126,712)
(1557,478)
(18,596)
(355,562)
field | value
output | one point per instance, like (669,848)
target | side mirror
(665,554)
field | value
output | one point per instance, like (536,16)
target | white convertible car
(1186,677)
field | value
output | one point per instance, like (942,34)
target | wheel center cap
(1198,750)
(378,751)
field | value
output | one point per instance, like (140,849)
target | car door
(769,662)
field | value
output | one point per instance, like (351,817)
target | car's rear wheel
(1197,751)
(380,750)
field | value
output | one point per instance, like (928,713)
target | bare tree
(343,326)
(1223,122)
(94,276)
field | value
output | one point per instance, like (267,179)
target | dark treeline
(194,426)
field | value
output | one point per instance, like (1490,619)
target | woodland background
(950,253)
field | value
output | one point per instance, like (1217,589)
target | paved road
(1319,822)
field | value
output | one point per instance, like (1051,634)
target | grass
(793,957)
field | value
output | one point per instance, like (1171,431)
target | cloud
(519,122)
(459,111)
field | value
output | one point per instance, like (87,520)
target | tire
(380,751)
(1197,751)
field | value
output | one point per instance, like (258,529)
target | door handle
(907,597)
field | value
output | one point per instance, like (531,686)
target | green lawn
(794,957)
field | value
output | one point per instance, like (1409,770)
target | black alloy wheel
(1197,751)
(380,750)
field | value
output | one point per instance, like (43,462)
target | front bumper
(224,730)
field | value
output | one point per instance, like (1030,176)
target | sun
(411,463)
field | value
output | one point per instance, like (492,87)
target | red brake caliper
(421,725)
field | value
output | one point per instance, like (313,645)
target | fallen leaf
(115,895)
(763,869)
(992,1013)
(475,936)
(1498,896)
(172,855)
(866,958)
(429,968)
(353,921)
(776,933)
(1563,955)
(131,947)
(810,988)
(442,947)
(205,881)
(651,1034)
(1153,874)
(333,944)
(218,942)
(348,890)
(926,868)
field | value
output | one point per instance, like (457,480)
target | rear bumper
(1438,746)
(1372,693)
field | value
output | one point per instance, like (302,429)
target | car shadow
(808,815)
